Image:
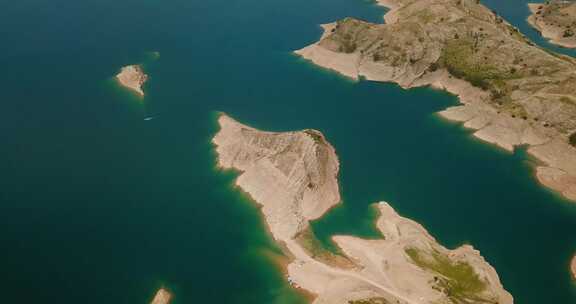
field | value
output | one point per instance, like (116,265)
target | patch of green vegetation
(347,45)
(308,240)
(572,139)
(312,244)
(458,58)
(346,32)
(457,280)
(567,100)
(315,135)
(515,33)
(426,16)
(370,301)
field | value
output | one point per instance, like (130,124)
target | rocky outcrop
(293,172)
(162,297)
(293,176)
(573,267)
(133,78)
(556,21)
(512,92)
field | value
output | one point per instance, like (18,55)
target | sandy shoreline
(558,169)
(293,177)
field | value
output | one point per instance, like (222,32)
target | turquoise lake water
(99,206)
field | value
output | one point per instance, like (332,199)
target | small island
(162,297)
(133,78)
(293,176)
(513,93)
(573,267)
(556,21)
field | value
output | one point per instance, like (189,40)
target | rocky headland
(133,78)
(162,297)
(293,177)
(556,21)
(512,92)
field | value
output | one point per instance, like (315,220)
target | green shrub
(572,139)
(457,279)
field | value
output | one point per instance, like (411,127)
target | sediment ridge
(556,21)
(293,176)
(512,92)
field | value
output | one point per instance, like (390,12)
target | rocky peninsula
(162,297)
(512,92)
(293,177)
(556,21)
(133,78)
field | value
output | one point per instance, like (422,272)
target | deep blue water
(98,205)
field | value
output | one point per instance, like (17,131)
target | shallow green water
(98,205)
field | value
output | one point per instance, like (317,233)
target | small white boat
(149,118)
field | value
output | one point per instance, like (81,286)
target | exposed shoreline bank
(555,32)
(280,260)
(293,177)
(506,128)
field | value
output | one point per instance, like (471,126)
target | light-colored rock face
(573,267)
(556,21)
(512,92)
(133,78)
(384,269)
(162,297)
(293,175)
